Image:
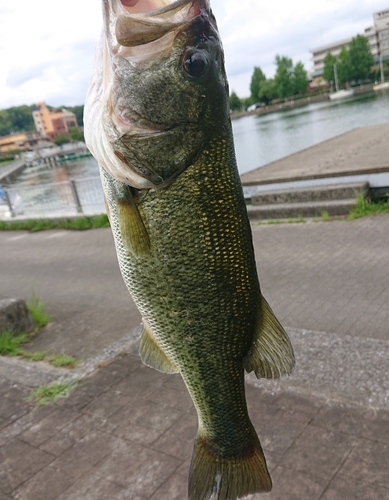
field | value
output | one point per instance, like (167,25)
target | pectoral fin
(271,354)
(152,355)
(133,231)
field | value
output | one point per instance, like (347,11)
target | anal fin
(271,354)
(152,355)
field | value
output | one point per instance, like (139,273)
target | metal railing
(76,196)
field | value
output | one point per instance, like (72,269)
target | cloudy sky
(47,47)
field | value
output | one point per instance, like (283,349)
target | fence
(82,196)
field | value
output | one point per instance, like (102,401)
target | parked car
(255,106)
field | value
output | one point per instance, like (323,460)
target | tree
(256,79)
(343,66)
(5,123)
(61,139)
(329,62)
(16,119)
(235,102)
(21,117)
(300,79)
(267,91)
(283,80)
(361,58)
(76,134)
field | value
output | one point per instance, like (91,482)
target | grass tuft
(325,216)
(33,356)
(36,308)
(77,223)
(365,208)
(282,221)
(63,361)
(9,344)
(49,394)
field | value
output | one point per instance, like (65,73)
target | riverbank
(362,151)
(296,103)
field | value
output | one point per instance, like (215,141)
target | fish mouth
(140,35)
(142,6)
(131,23)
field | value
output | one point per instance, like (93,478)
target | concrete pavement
(128,432)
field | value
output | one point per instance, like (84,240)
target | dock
(360,151)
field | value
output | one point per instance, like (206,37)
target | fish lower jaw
(141,6)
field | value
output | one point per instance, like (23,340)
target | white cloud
(254,32)
(46,47)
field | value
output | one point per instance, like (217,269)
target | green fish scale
(198,289)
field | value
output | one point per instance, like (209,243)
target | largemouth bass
(157,121)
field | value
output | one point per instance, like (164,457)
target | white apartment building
(378,36)
(381,22)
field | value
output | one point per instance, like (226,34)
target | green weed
(36,308)
(77,223)
(282,221)
(9,344)
(49,394)
(325,216)
(365,208)
(63,361)
(34,356)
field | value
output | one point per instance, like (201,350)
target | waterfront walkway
(360,151)
(127,433)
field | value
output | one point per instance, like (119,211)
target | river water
(260,139)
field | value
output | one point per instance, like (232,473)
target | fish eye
(195,63)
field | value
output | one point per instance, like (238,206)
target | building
(378,36)
(50,123)
(381,22)
(20,141)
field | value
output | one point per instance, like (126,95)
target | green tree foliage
(300,79)
(61,139)
(256,79)
(76,134)
(16,119)
(360,57)
(235,102)
(283,80)
(329,62)
(344,66)
(267,91)
(5,123)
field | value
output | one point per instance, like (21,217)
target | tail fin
(218,478)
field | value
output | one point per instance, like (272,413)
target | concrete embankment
(354,157)
(360,151)
(8,172)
